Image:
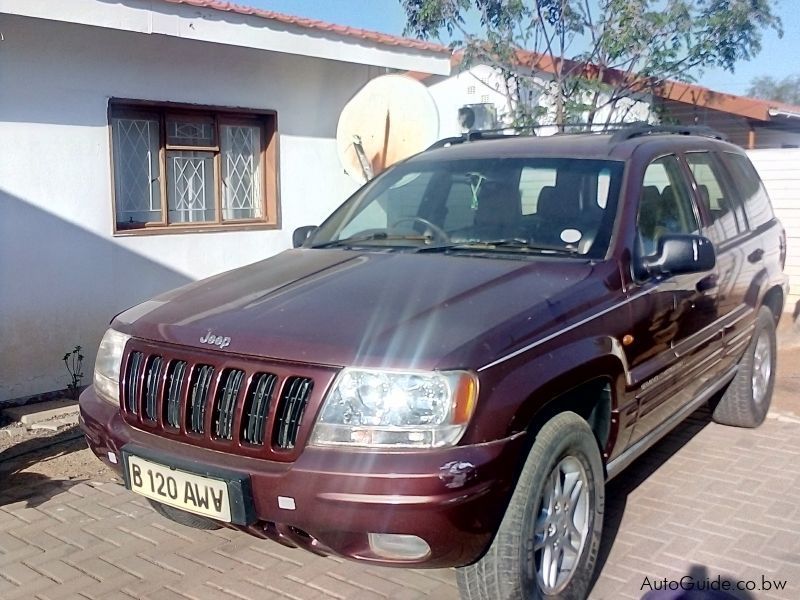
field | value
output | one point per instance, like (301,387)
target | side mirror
(681,253)
(301,234)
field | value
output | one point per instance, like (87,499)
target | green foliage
(73,361)
(781,90)
(613,49)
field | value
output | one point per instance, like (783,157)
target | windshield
(543,205)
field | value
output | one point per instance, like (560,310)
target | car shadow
(638,472)
(35,488)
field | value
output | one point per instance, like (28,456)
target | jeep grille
(211,400)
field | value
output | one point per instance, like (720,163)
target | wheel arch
(586,377)
(596,364)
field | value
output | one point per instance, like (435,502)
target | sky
(778,57)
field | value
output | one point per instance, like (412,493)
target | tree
(599,53)
(781,90)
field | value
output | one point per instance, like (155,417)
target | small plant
(73,361)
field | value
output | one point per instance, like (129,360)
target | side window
(531,183)
(664,205)
(603,187)
(751,189)
(712,193)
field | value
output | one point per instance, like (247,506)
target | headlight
(390,409)
(107,365)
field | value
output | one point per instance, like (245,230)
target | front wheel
(548,542)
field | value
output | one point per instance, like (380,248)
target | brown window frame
(161,112)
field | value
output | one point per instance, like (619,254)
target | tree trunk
(560,108)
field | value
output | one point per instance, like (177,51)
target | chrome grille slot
(293,401)
(256,407)
(152,374)
(225,404)
(198,396)
(174,387)
(132,381)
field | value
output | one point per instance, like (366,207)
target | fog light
(398,546)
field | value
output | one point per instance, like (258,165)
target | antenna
(391,118)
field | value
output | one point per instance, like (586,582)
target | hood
(379,309)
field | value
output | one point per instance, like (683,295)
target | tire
(184,518)
(746,400)
(512,567)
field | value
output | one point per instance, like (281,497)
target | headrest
(554,205)
(498,202)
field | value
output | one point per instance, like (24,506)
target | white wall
(780,170)
(484,84)
(63,275)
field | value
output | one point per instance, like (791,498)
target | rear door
(739,250)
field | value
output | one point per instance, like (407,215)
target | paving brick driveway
(707,501)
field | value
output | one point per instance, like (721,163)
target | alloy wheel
(562,525)
(762,367)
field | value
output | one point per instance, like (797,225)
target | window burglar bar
(214,167)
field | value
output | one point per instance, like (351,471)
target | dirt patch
(34,462)
(13,434)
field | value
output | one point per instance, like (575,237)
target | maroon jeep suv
(448,370)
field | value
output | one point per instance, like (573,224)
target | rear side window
(751,189)
(719,204)
(532,181)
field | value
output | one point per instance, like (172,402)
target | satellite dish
(389,119)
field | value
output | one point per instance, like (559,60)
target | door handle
(707,283)
(756,255)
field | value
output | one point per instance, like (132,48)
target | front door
(673,317)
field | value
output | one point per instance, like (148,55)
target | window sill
(183,229)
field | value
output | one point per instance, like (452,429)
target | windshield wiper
(525,245)
(503,244)
(378,235)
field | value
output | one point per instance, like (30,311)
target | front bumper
(452,498)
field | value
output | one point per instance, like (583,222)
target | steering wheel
(438,232)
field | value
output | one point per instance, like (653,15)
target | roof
(688,93)
(743,106)
(343,30)
(695,95)
(235,25)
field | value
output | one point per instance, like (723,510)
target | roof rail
(513,131)
(473,136)
(641,129)
(621,132)
(449,141)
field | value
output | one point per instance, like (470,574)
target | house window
(184,169)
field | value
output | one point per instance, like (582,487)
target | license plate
(194,493)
